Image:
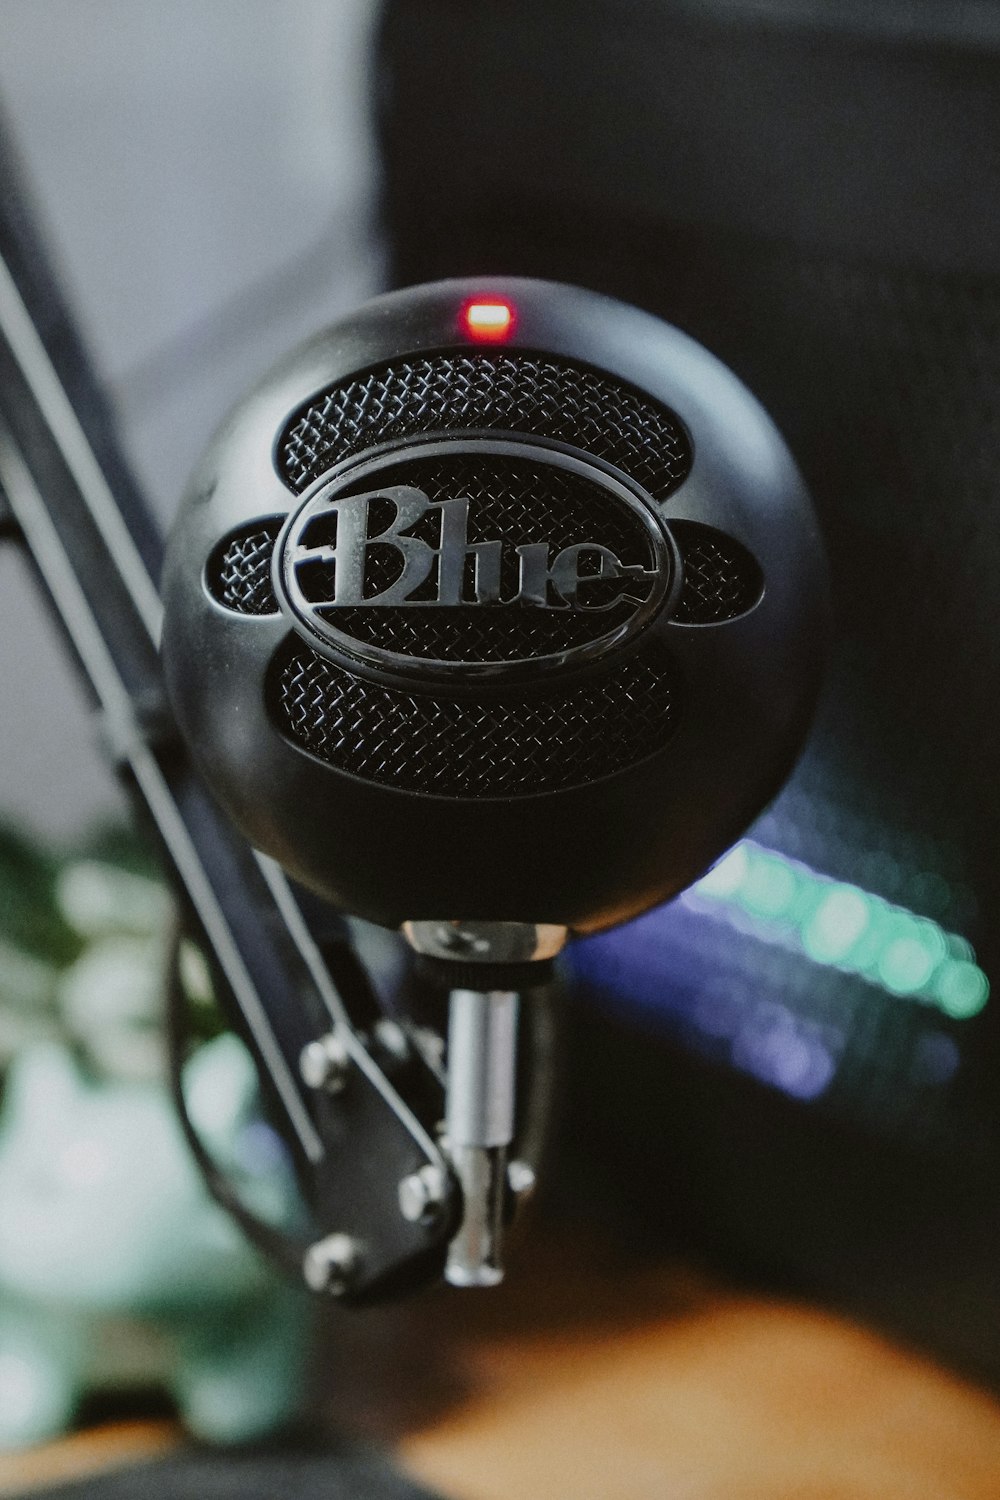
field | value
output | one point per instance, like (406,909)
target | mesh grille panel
(477,633)
(476,748)
(511,392)
(239,570)
(721,579)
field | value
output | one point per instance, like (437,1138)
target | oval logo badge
(472,557)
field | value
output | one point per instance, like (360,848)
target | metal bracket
(9,529)
(66,489)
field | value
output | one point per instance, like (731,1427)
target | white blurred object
(112,1002)
(205,177)
(97,898)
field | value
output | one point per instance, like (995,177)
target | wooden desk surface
(587,1377)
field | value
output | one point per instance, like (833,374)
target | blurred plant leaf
(29,914)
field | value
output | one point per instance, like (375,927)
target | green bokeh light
(726,875)
(961,989)
(844,927)
(906,965)
(769,887)
(836,924)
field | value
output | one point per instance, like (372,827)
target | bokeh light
(841,926)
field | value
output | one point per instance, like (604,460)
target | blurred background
(811,191)
(207,187)
(792,1070)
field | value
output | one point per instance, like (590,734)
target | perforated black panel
(721,579)
(239,571)
(509,392)
(490,747)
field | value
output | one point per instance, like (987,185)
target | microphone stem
(479,1115)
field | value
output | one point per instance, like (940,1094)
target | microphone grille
(721,579)
(239,570)
(510,392)
(490,746)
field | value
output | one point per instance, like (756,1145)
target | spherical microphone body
(497,601)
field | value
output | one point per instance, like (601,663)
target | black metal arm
(69,497)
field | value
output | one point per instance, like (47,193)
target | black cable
(284,1249)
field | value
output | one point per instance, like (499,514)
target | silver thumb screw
(324,1063)
(422,1194)
(520,1179)
(330,1264)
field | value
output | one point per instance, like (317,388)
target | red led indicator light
(489,320)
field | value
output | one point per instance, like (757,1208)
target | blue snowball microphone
(495,614)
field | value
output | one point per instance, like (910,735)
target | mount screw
(422,1194)
(520,1179)
(324,1063)
(330,1264)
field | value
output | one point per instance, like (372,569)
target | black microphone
(496,613)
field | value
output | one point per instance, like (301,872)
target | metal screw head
(392,1040)
(430,1043)
(330,1264)
(324,1063)
(422,1194)
(521,1179)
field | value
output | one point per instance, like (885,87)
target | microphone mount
(483,966)
(556,694)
